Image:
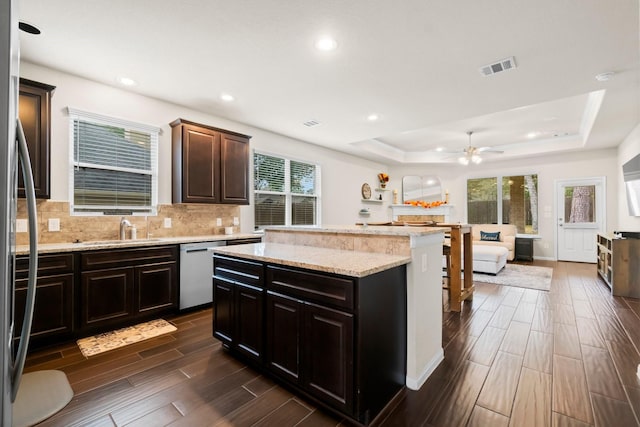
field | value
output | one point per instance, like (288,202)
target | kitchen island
(385,282)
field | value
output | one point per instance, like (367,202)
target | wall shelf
(371,201)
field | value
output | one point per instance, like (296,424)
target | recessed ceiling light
(326,44)
(439,149)
(532,135)
(372,117)
(604,77)
(226,97)
(126,81)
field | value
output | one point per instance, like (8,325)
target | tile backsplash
(186,220)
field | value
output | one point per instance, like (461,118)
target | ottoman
(489,259)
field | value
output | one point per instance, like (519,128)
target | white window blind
(114,165)
(287,192)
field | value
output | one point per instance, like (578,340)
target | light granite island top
(344,262)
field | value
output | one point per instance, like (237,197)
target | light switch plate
(219,222)
(236,221)
(167,223)
(21,226)
(54,224)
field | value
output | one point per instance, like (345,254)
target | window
(287,192)
(518,204)
(114,165)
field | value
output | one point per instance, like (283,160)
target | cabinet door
(201,165)
(284,323)
(107,297)
(249,321)
(35,116)
(223,310)
(234,169)
(53,311)
(328,356)
(157,289)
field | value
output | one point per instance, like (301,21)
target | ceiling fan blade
(489,150)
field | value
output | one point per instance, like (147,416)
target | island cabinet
(238,289)
(338,340)
(53,310)
(210,165)
(124,286)
(35,116)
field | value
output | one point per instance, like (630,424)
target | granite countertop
(44,248)
(381,230)
(347,263)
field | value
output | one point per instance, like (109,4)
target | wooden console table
(460,287)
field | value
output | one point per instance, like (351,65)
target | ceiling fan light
(463,160)
(476,159)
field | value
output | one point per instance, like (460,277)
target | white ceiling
(415,63)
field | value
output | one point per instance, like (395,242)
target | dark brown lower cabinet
(320,360)
(156,287)
(53,318)
(53,310)
(107,297)
(122,287)
(239,301)
(338,340)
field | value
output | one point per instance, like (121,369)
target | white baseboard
(638,372)
(545,258)
(416,383)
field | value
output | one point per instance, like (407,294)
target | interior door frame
(601,203)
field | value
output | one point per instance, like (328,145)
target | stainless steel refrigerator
(27,399)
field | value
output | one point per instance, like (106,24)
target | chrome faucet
(123,224)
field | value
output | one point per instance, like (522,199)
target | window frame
(499,193)
(99,119)
(287,190)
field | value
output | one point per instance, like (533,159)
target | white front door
(580,207)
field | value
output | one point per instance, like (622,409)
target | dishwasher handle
(195,250)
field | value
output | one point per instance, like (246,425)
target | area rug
(109,340)
(522,276)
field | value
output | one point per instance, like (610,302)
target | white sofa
(507,237)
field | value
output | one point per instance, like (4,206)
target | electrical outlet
(236,221)
(21,226)
(54,224)
(219,222)
(167,223)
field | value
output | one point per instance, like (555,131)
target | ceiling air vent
(311,123)
(497,67)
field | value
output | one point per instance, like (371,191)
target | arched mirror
(421,188)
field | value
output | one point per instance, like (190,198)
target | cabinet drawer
(320,288)
(47,265)
(239,270)
(92,260)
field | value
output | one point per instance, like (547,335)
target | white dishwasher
(196,272)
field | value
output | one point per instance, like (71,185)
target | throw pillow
(490,237)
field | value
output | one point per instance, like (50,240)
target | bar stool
(446,252)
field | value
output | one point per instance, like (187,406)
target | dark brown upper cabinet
(210,165)
(34,111)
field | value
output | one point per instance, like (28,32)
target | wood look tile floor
(513,357)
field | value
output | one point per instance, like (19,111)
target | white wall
(549,169)
(342,174)
(629,148)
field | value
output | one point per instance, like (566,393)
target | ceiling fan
(471,154)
